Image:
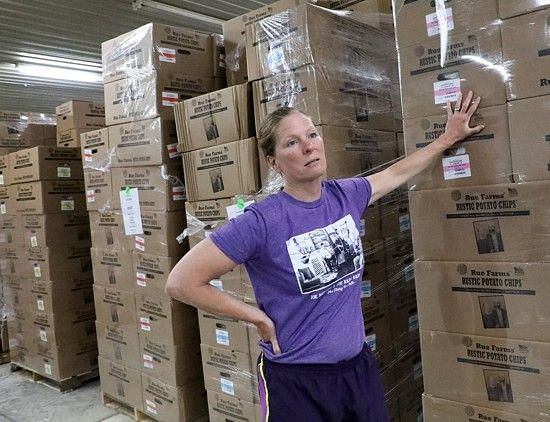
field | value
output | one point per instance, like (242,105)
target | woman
(314,361)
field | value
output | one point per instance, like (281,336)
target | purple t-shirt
(305,261)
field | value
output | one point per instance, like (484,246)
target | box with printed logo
(222,406)
(48,197)
(59,295)
(99,190)
(80,114)
(119,343)
(161,233)
(11,230)
(63,326)
(120,382)
(115,306)
(94,147)
(203,217)
(113,268)
(107,230)
(61,362)
(4,170)
(44,229)
(71,138)
(151,273)
(62,263)
(221,332)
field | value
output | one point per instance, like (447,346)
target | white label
(413,322)
(456,167)
(145,327)
(178,193)
(37,271)
(131,212)
(63,172)
(3,209)
(233,211)
(434,26)
(48,368)
(141,279)
(88,155)
(404,222)
(148,365)
(3,265)
(34,241)
(147,358)
(366,288)
(1,179)
(140,243)
(151,410)
(446,91)
(40,304)
(417,370)
(150,403)
(275,58)
(362,228)
(43,335)
(217,283)
(173,150)
(371,342)
(222,337)
(167,55)
(67,205)
(169,99)
(90,195)
(227,386)
(3,237)
(145,323)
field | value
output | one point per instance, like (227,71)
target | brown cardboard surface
(222,171)
(530,138)
(7,204)
(99,190)
(59,295)
(218,56)
(378,337)
(526,54)
(215,118)
(11,230)
(166,319)
(107,231)
(476,290)
(374,274)
(61,263)
(436,408)
(79,114)
(10,257)
(328,96)
(144,143)
(44,229)
(113,268)
(229,372)
(94,146)
(48,197)
(114,306)
(160,187)
(150,95)
(176,365)
(154,46)
(223,407)
(119,343)
(466,163)
(502,374)
(62,327)
(204,217)
(160,232)
(167,403)
(71,138)
(223,333)
(507,8)
(394,214)
(408,367)
(473,62)
(507,223)
(16,292)
(412,19)
(4,170)
(151,273)
(60,362)
(121,383)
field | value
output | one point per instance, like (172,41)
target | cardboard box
(379,339)
(502,374)
(328,96)
(20,130)
(119,343)
(374,274)
(223,407)
(144,143)
(508,8)
(204,217)
(149,95)
(153,46)
(418,20)
(166,319)
(399,257)
(96,154)
(218,56)
(436,408)
(223,333)
(48,197)
(107,231)
(506,223)
(231,283)
(494,299)
(466,163)
(167,403)
(61,362)
(151,273)
(80,114)
(222,171)
(113,268)
(525,52)
(160,233)
(299,36)
(121,383)
(56,264)
(229,372)
(63,327)
(395,218)
(114,306)
(16,294)
(54,296)
(10,257)
(473,62)
(11,230)
(99,190)
(176,365)
(7,205)
(44,229)
(215,118)
(160,188)
(4,170)
(71,138)
(234,38)
(530,138)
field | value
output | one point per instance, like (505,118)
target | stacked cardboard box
(481,242)
(148,343)
(48,284)
(75,118)
(24,130)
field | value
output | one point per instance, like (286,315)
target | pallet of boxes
(479,215)
(49,279)
(149,354)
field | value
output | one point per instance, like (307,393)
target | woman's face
(299,150)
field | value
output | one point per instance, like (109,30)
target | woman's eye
(291,142)
(313,135)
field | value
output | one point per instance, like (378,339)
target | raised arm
(189,282)
(456,129)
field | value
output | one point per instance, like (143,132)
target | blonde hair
(266,133)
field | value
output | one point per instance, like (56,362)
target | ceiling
(71,32)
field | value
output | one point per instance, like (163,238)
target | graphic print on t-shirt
(326,255)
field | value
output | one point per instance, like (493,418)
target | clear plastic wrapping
(23,130)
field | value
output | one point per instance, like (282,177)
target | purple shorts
(347,391)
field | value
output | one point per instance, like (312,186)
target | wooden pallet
(62,386)
(5,358)
(120,407)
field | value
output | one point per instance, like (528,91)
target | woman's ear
(272,163)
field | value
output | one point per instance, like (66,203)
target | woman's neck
(304,191)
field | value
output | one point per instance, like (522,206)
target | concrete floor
(22,400)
